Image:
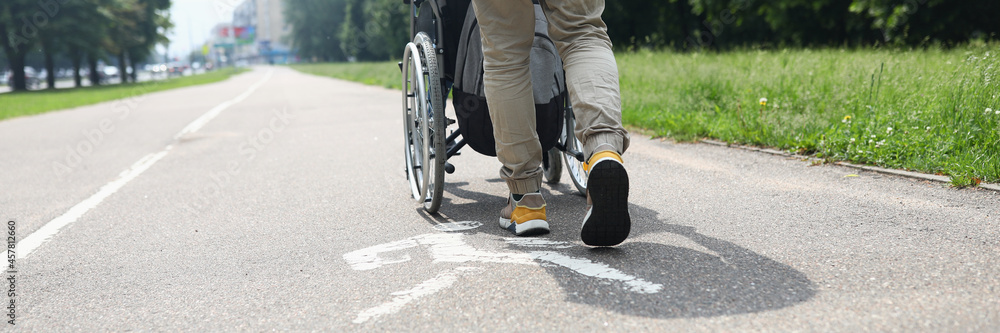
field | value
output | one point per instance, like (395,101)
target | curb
(895,172)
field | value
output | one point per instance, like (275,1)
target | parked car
(176,68)
(156,68)
(110,71)
(31,78)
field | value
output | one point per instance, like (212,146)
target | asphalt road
(277,200)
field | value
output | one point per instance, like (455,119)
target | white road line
(456,226)
(368,258)
(443,248)
(31,243)
(451,248)
(429,287)
(197,124)
(583,266)
(599,270)
(43,234)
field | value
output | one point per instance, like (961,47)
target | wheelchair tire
(413,91)
(426,141)
(573,165)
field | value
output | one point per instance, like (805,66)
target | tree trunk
(135,71)
(17,66)
(77,59)
(122,74)
(95,78)
(15,58)
(131,65)
(50,66)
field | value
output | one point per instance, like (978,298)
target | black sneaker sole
(608,223)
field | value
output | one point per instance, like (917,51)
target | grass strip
(16,104)
(933,111)
(384,74)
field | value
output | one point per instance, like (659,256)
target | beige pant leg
(591,72)
(507,33)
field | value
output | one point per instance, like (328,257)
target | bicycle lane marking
(33,241)
(451,248)
(402,298)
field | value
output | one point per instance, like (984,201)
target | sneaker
(607,222)
(526,216)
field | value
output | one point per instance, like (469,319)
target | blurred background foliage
(81,32)
(338,30)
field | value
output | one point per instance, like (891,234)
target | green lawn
(933,111)
(18,104)
(384,74)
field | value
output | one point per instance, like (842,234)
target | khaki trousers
(581,37)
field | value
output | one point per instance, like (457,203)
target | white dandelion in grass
(888,130)
(763,101)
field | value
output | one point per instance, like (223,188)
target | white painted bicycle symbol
(451,248)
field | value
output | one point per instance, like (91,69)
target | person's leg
(507,32)
(591,72)
(592,79)
(507,29)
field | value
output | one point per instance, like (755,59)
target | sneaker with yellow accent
(526,216)
(607,222)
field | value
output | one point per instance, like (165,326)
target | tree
(354,38)
(913,22)
(316,28)
(61,31)
(374,29)
(636,24)
(814,22)
(20,34)
(123,31)
(129,29)
(388,27)
(87,36)
(152,28)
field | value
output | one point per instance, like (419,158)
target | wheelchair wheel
(574,163)
(423,123)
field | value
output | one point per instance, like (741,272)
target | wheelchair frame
(426,148)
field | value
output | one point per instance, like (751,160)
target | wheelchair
(430,139)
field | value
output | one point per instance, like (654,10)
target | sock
(518,197)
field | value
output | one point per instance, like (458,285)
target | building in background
(221,45)
(259,31)
(244,21)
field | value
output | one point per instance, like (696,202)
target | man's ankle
(518,197)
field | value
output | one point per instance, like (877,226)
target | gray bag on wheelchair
(469,99)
